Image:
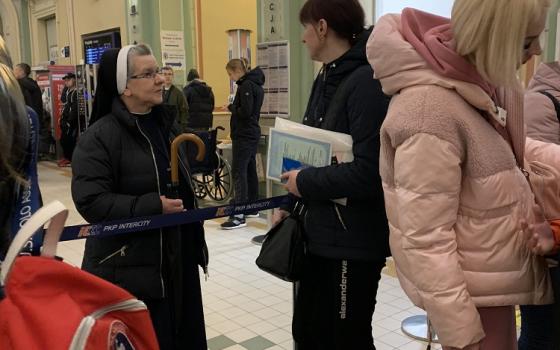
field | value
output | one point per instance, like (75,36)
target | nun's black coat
(116,176)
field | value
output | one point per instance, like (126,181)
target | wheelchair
(212,177)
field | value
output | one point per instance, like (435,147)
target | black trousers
(335,304)
(540,323)
(244,170)
(68,142)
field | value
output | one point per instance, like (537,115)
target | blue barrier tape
(119,227)
(29,196)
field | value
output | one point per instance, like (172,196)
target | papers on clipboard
(287,152)
(296,146)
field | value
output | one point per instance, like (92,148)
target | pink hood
(400,64)
(432,38)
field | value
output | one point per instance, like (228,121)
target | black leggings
(335,304)
(244,171)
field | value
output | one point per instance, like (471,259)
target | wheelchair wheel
(199,186)
(220,186)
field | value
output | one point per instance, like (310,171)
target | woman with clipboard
(347,244)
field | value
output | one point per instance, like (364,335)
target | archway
(9,28)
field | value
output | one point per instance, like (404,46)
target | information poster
(273,58)
(173,49)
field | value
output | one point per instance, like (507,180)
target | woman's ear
(322,28)
(127,92)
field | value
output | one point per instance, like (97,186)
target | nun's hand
(171,206)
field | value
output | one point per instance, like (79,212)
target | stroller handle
(201,147)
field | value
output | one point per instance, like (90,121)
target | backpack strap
(555,102)
(54,212)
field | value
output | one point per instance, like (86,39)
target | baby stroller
(211,177)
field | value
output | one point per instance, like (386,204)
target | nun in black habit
(121,170)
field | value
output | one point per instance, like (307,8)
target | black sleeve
(37,97)
(366,108)
(243,108)
(74,107)
(63,95)
(94,191)
(26,96)
(212,99)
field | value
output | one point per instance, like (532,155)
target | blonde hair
(238,64)
(490,34)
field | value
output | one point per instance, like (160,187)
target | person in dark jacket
(120,170)
(174,97)
(14,133)
(245,134)
(69,119)
(31,91)
(200,99)
(34,98)
(347,243)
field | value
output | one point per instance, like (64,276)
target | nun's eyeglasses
(149,75)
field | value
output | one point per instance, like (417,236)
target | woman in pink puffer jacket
(453,155)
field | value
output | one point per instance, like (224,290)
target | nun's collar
(164,113)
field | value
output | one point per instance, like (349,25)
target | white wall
(439,7)
(368,6)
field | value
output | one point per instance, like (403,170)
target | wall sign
(272,19)
(173,49)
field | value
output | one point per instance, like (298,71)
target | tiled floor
(246,308)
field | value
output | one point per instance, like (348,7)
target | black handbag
(283,250)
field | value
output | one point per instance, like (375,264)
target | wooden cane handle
(201,151)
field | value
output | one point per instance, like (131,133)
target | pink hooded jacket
(540,114)
(455,197)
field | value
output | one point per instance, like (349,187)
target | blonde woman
(245,134)
(452,158)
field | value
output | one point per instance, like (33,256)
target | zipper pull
(121,251)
